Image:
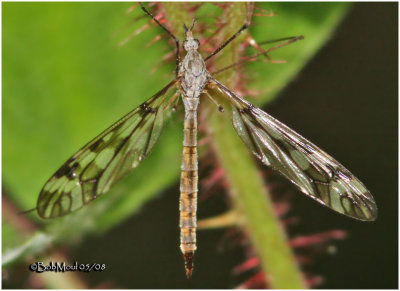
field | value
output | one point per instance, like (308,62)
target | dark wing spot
(67,170)
(95,145)
(144,106)
(247,110)
(332,172)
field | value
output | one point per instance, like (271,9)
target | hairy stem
(246,186)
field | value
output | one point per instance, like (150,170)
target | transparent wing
(313,171)
(97,166)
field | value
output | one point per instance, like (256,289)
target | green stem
(252,201)
(249,196)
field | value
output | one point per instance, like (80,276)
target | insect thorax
(194,74)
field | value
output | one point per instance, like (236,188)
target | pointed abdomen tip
(188,257)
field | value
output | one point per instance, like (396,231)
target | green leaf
(65,79)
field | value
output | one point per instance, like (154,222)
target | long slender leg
(169,32)
(189,182)
(257,45)
(245,60)
(220,108)
(245,26)
(279,39)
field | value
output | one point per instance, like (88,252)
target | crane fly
(96,167)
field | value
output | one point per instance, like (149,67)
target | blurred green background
(65,78)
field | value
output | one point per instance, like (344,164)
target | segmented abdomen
(188,189)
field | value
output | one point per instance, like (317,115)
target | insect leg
(174,99)
(257,46)
(250,58)
(245,26)
(220,108)
(169,32)
(279,39)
